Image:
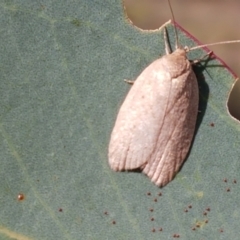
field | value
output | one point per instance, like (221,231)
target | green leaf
(62,67)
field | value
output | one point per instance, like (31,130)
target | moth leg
(166,42)
(208,55)
(129,81)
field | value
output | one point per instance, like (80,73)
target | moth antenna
(175,29)
(212,44)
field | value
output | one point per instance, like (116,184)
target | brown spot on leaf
(20,197)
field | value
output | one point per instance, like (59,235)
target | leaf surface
(62,67)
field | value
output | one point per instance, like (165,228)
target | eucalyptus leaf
(62,67)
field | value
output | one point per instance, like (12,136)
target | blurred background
(208,21)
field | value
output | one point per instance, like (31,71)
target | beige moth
(156,122)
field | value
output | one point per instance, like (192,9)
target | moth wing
(140,120)
(177,131)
